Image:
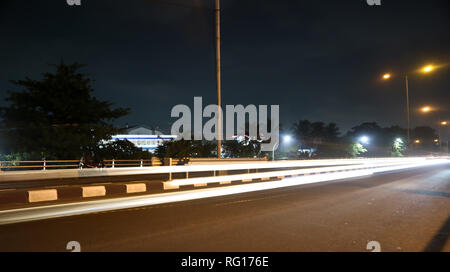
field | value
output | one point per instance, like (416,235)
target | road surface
(405,210)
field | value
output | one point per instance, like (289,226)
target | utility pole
(408,116)
(218,82)
(439,129)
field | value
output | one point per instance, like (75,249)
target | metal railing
(44,164)
(72,164)
(113,163)
(131,163)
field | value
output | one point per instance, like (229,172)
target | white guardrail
(233,165)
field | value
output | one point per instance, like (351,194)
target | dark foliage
(57,117)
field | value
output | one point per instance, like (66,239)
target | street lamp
(286,138)
(408,118)
(444,124)
(427,109)
(427,69)
(364,139)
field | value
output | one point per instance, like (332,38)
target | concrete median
(170,186)
(136,188)
(42,195)
(93,191)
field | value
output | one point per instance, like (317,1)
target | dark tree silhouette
(317,135)
(57,117)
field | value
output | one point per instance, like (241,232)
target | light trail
(104,172)
(205,180)
(61,210)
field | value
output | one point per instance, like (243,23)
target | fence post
(167,161)
(45,164)
(112,164)
(142,163)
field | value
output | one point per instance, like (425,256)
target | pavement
(404,210)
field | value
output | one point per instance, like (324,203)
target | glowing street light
(287,138)
(426,109)
(428,68)
(364,139)
(417,141)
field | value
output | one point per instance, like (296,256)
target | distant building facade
(144,137)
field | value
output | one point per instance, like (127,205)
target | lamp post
(218,82)
(427,109)
(408,116)
(286,138)
(387,76)
(444,124)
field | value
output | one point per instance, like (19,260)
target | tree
(121,150)
(203,149)
(392,141)
(183,149)
(379,144)
(303,131)
(356,149)
(324,139)
(57,117)
(426,137)
(398,147)
(242,149)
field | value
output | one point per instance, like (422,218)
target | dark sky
(319,60)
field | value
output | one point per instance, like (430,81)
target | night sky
(319,60)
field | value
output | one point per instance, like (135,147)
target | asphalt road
(404,210)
